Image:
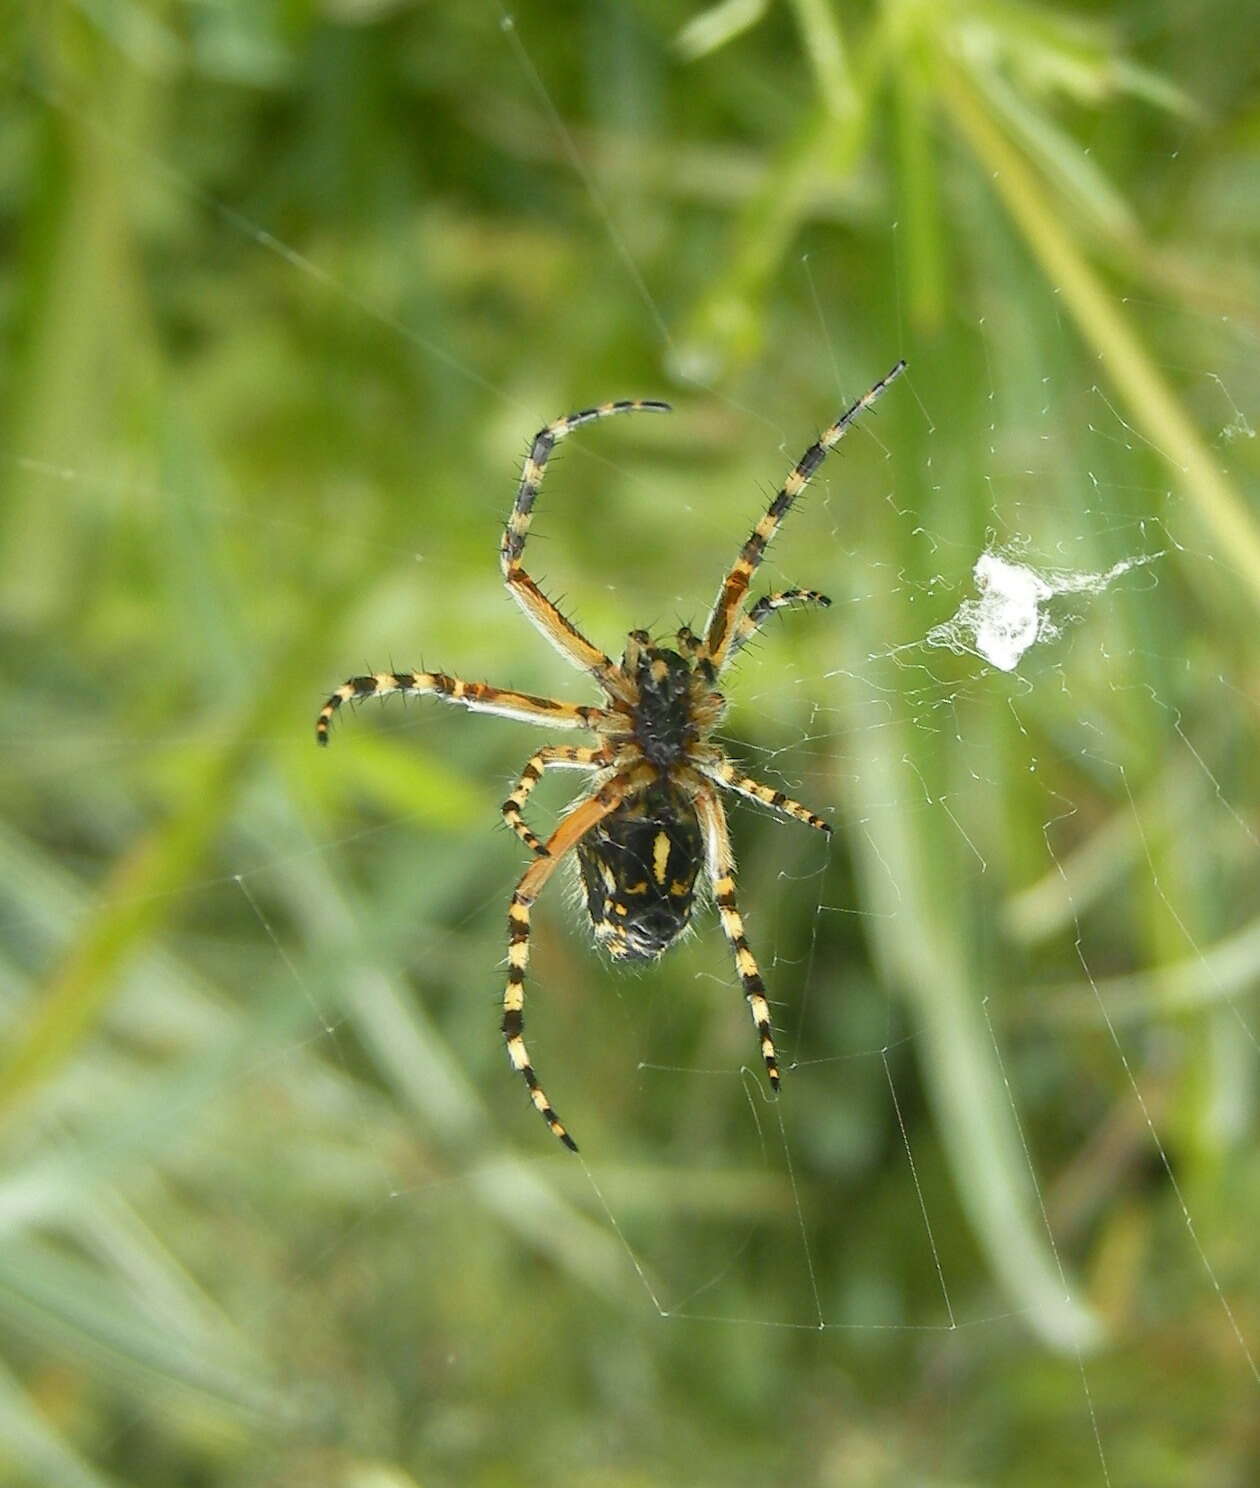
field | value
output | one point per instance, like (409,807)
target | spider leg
(725,774)
(571,829)
(479,696)
(748,625)
(722,630)
(554,755)
(721,867)
(545,617)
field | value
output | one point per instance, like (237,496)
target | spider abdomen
(639,868)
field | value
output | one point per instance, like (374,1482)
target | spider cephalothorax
(652,815)
(669,697)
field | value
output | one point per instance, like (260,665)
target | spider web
(1013,627)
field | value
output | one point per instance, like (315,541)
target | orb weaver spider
(651,814)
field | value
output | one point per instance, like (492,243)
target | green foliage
(286,290)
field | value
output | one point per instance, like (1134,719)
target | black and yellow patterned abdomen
(639,868)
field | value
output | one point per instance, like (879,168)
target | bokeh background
(285,290)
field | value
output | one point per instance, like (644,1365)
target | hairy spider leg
(479,696)
(571,828)
(721,867)
(546,618)
(748,625)
(722,628)
(564,756)
(725,774)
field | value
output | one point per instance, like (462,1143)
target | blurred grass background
(285,290)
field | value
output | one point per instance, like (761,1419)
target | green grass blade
(1155,409)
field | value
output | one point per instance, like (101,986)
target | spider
(651,814)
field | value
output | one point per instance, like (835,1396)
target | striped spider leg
(553,756)
(524,707)
(720,862)
(723,633)
(571,829)
(722,772)
(748,625)
(543,615)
